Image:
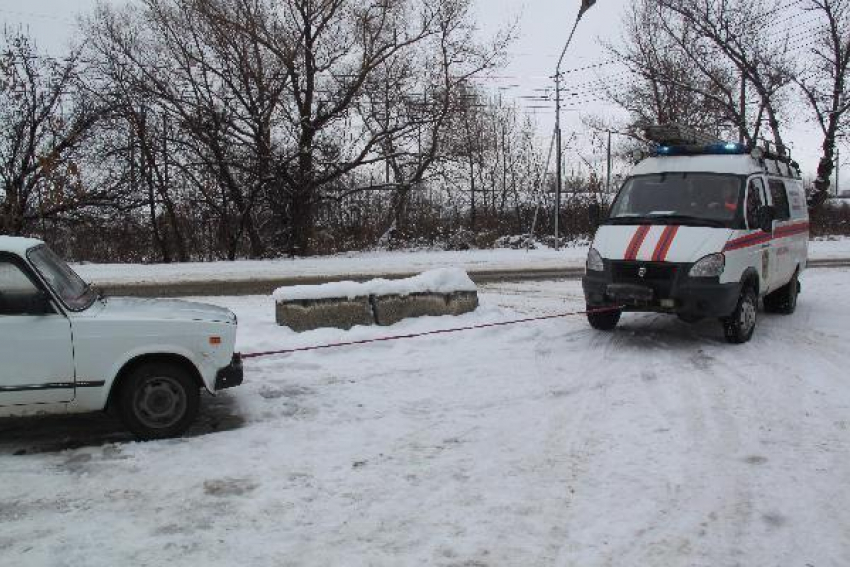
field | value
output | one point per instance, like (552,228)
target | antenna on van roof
(672,134)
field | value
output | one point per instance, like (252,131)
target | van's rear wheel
(784,299)
(158,400)
(604,320)
(739,327)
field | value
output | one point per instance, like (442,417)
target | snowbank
(366,264)
(444,280)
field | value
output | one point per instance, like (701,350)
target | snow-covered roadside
(370,264)
(361,263)
(544,444)
(830,248)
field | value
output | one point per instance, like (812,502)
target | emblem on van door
(642,272)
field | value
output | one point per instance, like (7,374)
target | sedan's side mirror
(40,304)
(766,216)
(594,213)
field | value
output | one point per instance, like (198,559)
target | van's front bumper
(665,287)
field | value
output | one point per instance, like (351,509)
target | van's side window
(17,292)
(780,200)
(755,200)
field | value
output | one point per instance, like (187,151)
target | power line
(37,15)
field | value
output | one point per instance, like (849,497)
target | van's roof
(18,245)
(737,164)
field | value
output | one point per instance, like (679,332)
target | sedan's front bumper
(231,375)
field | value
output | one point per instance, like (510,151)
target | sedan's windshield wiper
(88,289)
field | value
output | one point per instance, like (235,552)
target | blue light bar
(730,148)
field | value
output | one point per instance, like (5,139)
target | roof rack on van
(679,140)
(776,159)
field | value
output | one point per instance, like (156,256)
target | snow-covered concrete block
(385,302)
(308,314)
(390,309)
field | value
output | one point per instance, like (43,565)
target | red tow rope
(426,333)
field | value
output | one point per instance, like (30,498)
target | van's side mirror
(594,213)
(766,215)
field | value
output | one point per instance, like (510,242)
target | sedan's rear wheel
(158,400)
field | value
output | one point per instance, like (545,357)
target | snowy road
(545,444)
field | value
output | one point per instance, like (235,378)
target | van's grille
(659,276)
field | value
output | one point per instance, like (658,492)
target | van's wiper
(665,219)
(686,220)
(627,220)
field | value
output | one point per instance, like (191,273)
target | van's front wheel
(739,327)
(603,320)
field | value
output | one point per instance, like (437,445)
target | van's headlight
(594,261)
(709,267)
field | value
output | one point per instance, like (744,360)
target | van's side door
(758,255)
(36,355)
(781,247)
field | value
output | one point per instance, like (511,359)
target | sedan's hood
(660,243)
(166,309)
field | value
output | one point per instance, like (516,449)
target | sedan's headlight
(594,261)
(710,266)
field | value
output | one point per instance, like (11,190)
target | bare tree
(45,120)
(671,83)
(421,91)
(736,30)
(696,62)
(329,51)
(823,81)
(212,85)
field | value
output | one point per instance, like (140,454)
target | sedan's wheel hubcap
(160,402)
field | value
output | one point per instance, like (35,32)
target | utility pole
(559,151)
(837,170)
(608,183)
(743,109)
(585,6)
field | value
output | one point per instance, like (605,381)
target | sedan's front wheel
(158,400)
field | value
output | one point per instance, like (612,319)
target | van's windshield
(699,199)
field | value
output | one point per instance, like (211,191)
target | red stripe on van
(791,230)
(664,243)
(756,238)
(636,242)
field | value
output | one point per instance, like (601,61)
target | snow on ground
(540,444)
(370,264)
(830,248)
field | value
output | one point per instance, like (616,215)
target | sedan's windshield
(73,291)
(709,199)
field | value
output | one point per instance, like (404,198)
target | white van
(702,231)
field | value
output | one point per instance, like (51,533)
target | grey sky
(543,29)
